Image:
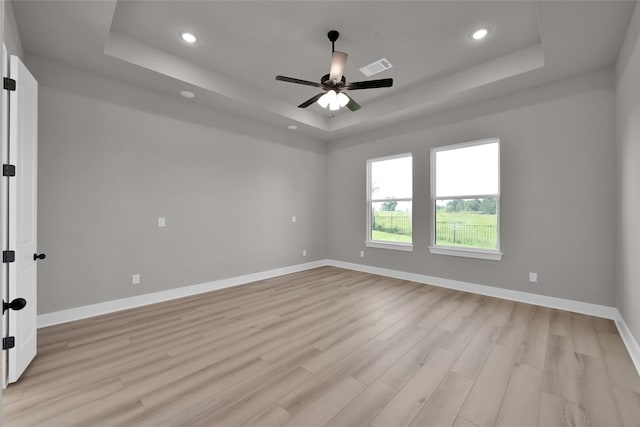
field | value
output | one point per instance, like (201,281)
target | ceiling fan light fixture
(338,61)
(342,99)
(323,101)
(329,99)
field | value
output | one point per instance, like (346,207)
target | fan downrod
(333,36)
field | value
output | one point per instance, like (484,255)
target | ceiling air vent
(376,67)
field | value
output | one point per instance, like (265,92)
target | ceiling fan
(334,84)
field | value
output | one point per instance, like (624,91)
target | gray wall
(558,180)
(628,208)
(113,158)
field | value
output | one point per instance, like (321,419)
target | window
(389,200)
(465,200)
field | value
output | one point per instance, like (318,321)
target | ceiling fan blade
(297,81)
(352,105)
(310,101)
(338,61)
(370,84)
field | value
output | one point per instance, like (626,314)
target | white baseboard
(597,310)
(64,316)
(508,294)
(629,341)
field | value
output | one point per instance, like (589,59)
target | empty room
(320,213)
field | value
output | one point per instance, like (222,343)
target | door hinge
(8,256)
(8,170)
(8,342)
(9,84)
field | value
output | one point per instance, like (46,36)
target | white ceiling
(243,45)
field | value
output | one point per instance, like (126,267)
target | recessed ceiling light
(479,34)
(188,37)
(292,127)
(187,94)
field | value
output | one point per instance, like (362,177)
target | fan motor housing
(325,79)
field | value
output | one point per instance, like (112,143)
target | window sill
(466,253)
(406,247)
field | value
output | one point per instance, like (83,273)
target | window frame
(369,242)
(467,252)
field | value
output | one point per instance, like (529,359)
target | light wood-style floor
(330,347)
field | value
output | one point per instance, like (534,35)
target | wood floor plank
(560,368)
(238,402)
(473,358)
(123,415)
(460,338)
(431,302)
(620,368)
(485,399)
(521,402)
(595,395)
(304,395)
(401,372)
(501,313)
(327,405)
(533,349)
(22,414)
(330,356)
(361,410)
(401,410)
(628,403)
(560,323)
(347,331)
(461,422)
(370,371)
(514,330)
(334,347)
(312,333)
(273,416)
(605,325)
(585,339)
(444,404)
(441,311)
(558,412)
(457,316)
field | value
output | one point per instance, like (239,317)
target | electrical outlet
(361,254)
(135,279)
(304,252)
(533,277)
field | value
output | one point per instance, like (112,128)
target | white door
(4,206)
(23,153)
